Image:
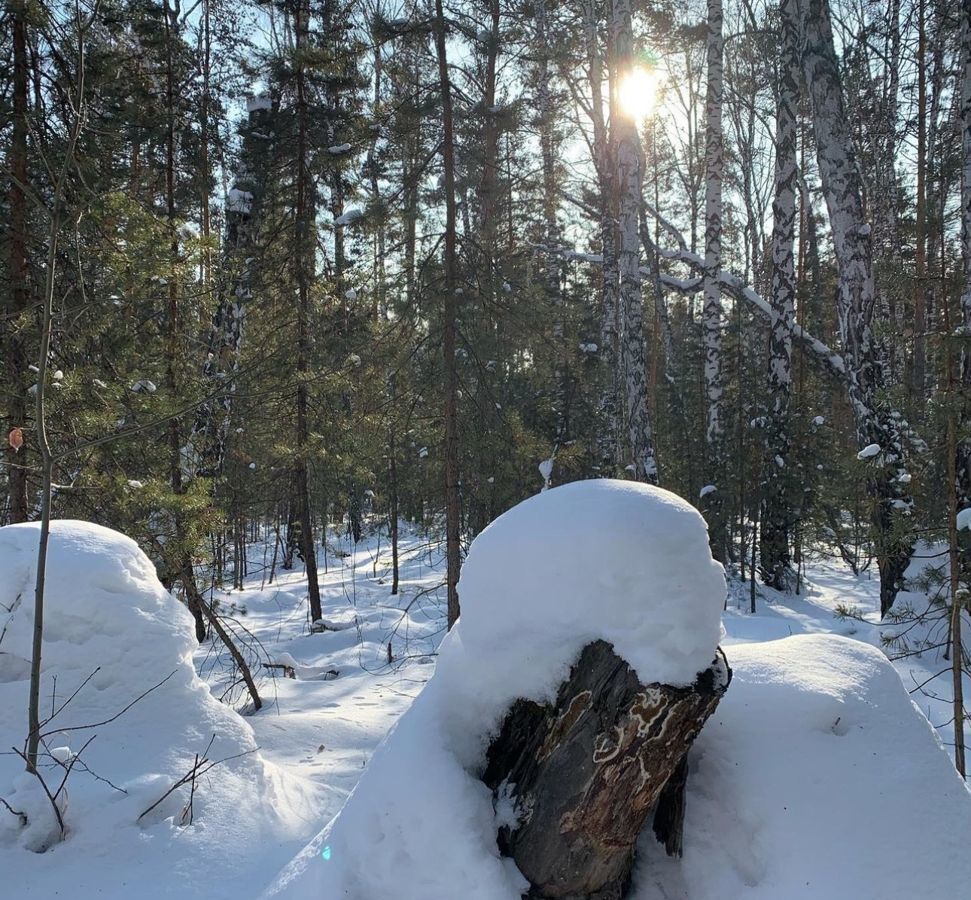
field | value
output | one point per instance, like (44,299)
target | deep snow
(857,818)
(816,778)
(814,763)
(112,634)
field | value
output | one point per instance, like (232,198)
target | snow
(814,767)
(706,490)
(817,777)
(239,201)
(658,593)
(815,763)
(527,588)
(339,149)
(112,635)
(964,519)
(869,451)
(349,217)
(258,102)
(545,471)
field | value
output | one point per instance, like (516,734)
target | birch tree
(235,292)
(843,190)
(638,455)
(609,425)
(711,316)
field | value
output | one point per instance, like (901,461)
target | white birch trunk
(638,452)
(711,314)
(609,428)
(843,189)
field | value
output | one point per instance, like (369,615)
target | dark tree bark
(15,355)
(585,772)
(449,315)
(174,351)
(777,515)
(304,267)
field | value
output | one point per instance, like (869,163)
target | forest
(363,319)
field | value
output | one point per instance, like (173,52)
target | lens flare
(638,92)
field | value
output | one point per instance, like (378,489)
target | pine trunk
(777,514)
(304,261)
(15,355)
(449,315)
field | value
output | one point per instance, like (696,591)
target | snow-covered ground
(326,723)
(813,770)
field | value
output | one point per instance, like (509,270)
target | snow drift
(816,778)
(112,633)
(610,560)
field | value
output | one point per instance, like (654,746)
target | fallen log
(574,781)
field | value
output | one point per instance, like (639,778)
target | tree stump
(582,775)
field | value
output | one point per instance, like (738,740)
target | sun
(638,92)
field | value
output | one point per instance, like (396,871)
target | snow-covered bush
(117,669)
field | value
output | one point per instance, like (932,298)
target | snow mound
(614,560)
(816,777)
(113,634)
(610,560)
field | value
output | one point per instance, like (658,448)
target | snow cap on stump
(602,559)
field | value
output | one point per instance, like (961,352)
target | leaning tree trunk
(776,506)
(711,317)
(843,189)
(583,773)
